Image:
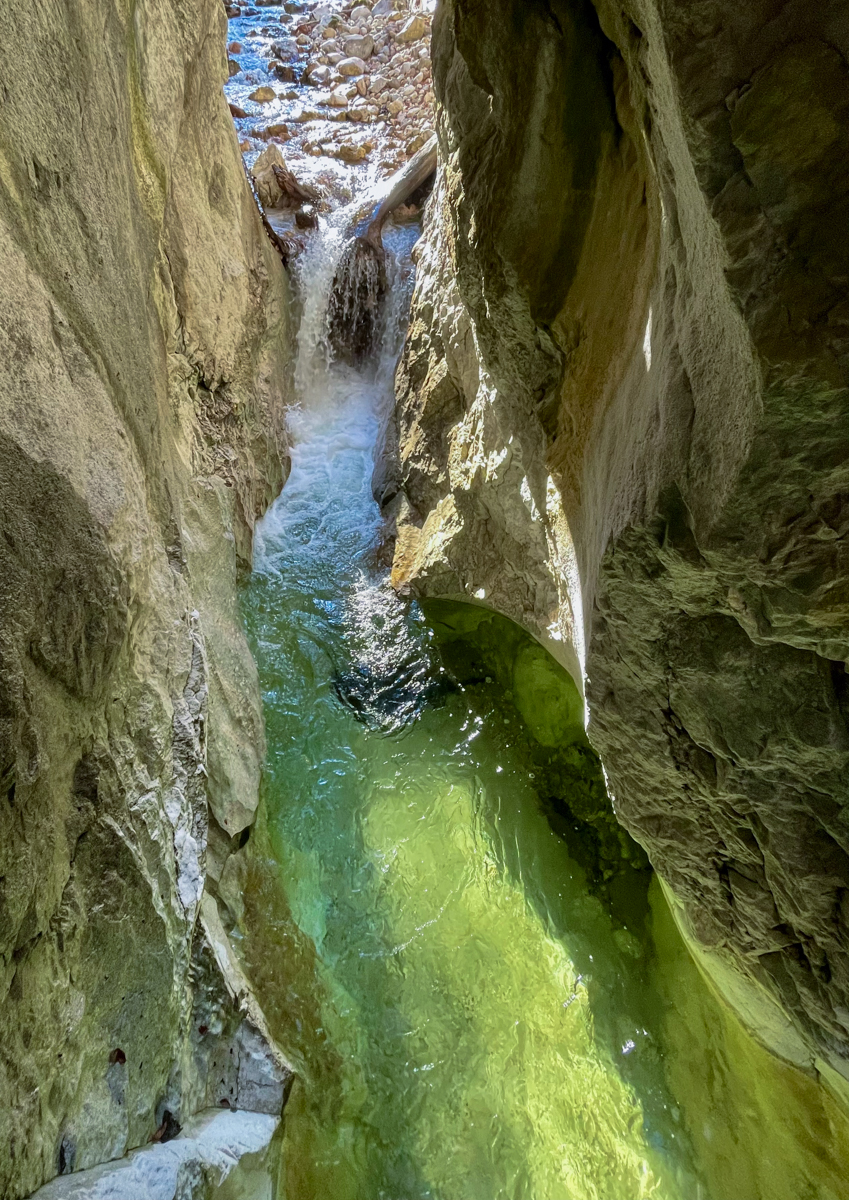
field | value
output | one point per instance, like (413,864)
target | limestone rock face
(144,342)
(623,420)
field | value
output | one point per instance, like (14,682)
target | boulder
(285,48)
(262,172)
(349,152)
(351,67)
(359,47)
(263,95)
(306,217)
(412,29)
(283,72)
(271,131)
(318,75)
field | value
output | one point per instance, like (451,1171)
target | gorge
(445,749)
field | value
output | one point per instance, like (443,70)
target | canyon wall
(623,421)
(144,332)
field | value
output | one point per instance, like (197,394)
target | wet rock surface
(230,1150)
(623,421)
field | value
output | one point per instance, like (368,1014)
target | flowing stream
(470,983)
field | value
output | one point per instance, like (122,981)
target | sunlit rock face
(144,342)
(623,420)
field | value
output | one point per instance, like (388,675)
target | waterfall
(328,516)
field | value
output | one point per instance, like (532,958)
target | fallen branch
(297,193)
(406,181)
(280,244)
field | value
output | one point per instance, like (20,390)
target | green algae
(480,645)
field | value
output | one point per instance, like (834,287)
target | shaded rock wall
(623,420)
(144,339)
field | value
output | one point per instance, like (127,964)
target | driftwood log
(280,244)
(404,183)
(295,193)
(359,285)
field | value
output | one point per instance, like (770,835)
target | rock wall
(623,421)
(145,343)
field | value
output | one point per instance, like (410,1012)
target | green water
(450,935)
(455,962)
(462,1012)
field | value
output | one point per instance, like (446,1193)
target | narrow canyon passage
(475,1014)
(424,544)
(463,970)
